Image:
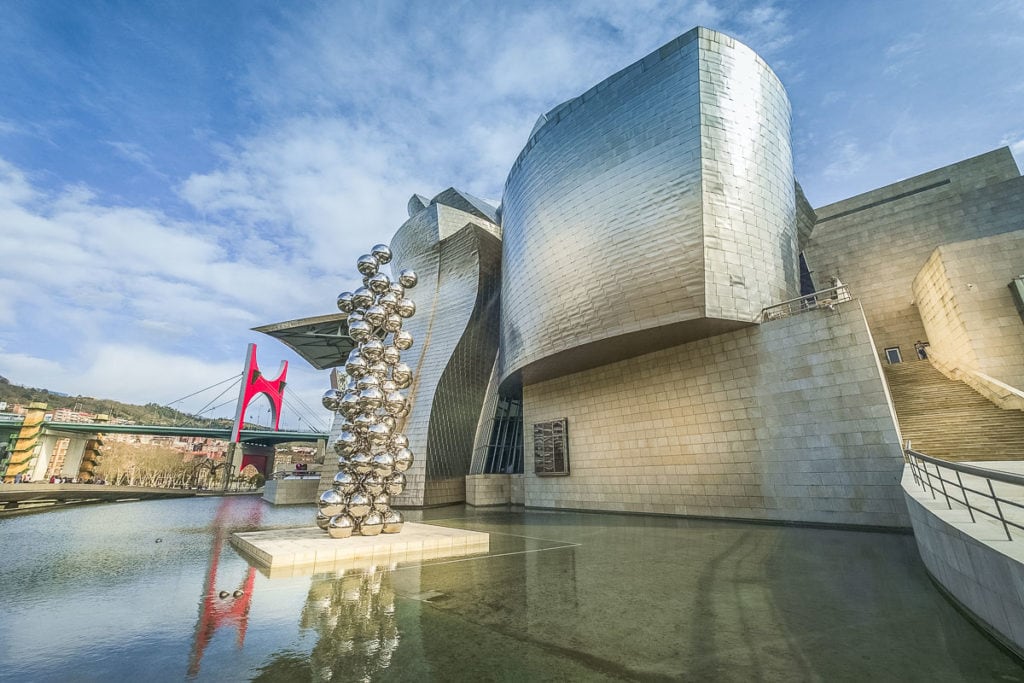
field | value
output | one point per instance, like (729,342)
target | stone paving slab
(306,550)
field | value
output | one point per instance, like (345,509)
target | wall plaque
(551,448)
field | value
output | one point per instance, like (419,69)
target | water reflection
(603,597)
(215,608)
(355,618)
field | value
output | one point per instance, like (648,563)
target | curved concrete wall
(973,562)
(656,208)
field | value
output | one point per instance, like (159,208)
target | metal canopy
(323,340)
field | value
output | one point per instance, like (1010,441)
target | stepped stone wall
(877,242)
(967,309)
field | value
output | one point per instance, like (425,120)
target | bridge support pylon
(25,445)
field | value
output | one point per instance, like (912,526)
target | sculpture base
(306,550)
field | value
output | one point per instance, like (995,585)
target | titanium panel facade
(656,208)
(456,252)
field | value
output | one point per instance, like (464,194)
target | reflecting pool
(153,591)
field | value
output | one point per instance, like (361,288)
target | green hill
(151,413)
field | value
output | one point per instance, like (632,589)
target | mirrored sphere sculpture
(372,451)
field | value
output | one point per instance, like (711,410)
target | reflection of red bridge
(215,611)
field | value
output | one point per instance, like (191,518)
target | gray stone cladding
(785,421)
(973,561)
(967,309)
(657,207)
(877,242)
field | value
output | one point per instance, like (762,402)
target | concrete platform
(308,550)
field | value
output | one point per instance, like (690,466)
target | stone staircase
(947,419)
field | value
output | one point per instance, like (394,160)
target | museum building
(655,320)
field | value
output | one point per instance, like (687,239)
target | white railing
(971,488)
(822,299)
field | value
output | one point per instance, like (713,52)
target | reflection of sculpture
(372,454)
(355,616)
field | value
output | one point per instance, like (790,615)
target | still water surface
(132,592)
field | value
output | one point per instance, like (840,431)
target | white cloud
(848,160)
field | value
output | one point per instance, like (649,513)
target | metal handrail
(932,480)
(823,298)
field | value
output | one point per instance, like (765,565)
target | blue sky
(175,173)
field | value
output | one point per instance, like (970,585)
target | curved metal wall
(655,208)
(456,255)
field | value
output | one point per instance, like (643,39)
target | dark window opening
(505,447)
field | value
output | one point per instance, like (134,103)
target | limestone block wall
(488,489)
(973,562)
(967,309)
(788,421)
(877,242)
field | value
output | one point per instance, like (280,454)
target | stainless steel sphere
(375,315)
(395,484)
(356,367)
(403,340)
(403,459)
(387,386)
(322,520)
(393,522)
(362,298)
(349,404)
(399,440)
(389,421)
(372,524)
(367,381)
(402,375)
(408,279)
(379,283)
(345,302)
(362,422)
(360,331)
(405,308)
(343,462)
(378,434)
(388,301)
(391,354)
(394,402)
(359,504)
(332,399)
(373,484)
(392,322)
(378,369)
(382,502)
(370,399)
(383,464)
(367,265)
(372,350)
(331,503)
(360,463)
(347,443)
(345,483)
(382,253)
(341,526)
